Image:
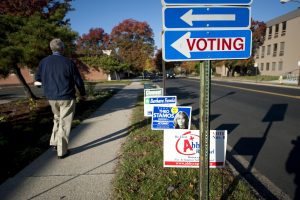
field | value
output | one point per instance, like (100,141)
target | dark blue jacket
(59,75)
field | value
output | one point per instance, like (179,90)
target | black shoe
(64,156)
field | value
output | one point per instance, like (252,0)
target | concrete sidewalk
(95,149)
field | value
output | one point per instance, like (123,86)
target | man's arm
(78,81)
(38,79)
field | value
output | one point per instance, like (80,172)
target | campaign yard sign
(182,148)
(150,102)
(153,92)
(171,117)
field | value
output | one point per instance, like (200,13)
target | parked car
(171,75)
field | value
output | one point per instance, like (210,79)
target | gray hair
(56,45)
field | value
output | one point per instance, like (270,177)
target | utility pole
(299,73)
(164,75)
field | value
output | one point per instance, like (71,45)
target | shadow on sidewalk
(110,137)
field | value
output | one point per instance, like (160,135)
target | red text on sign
(216,44)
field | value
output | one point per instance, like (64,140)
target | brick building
(89,74)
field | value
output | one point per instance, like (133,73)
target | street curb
(252,82)
(260,184)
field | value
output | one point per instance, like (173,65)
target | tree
(109,64)
(89,49)
(149,65)
(133,42)
(22,7)
(25,36)
(258,36)
(26,8)
(93,43)
(158,61)
(189,67)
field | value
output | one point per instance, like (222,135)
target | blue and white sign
(150,102)
(206,2)
(206,45)
(166,117)
(197,18)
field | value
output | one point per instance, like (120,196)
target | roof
(285,17)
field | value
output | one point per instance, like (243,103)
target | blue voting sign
(203,45)
(183,18)
(206,2)
(167,117)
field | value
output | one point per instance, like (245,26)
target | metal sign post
(163,67)
(164,76)
(198,30)
(204,129)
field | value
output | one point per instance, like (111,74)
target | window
(270,32)
(276,30)
(261,66)
(283,28)
(269,49)
(262,51)
(275,50)
(268,67)
(280,65)
(281,51)
(257,54)
(273,66)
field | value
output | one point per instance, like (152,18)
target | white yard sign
(150,102)
(153,92)
(181,148)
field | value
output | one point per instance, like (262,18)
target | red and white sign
(182,147)
(186,45)
(206,45)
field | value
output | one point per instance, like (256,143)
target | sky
(107,14)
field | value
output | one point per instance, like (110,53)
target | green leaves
(25,37)
(107,63)
(25,33)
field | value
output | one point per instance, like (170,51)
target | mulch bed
(25,130)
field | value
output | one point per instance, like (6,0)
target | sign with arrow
(206,2)
(204,45)
(182,18)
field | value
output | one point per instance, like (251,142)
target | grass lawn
(140,174)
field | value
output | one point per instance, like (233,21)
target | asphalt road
(263,126)
(11,93)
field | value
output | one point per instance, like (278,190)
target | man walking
(59,76)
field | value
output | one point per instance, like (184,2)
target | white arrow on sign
(185,44)
(188,17)
(181,46)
